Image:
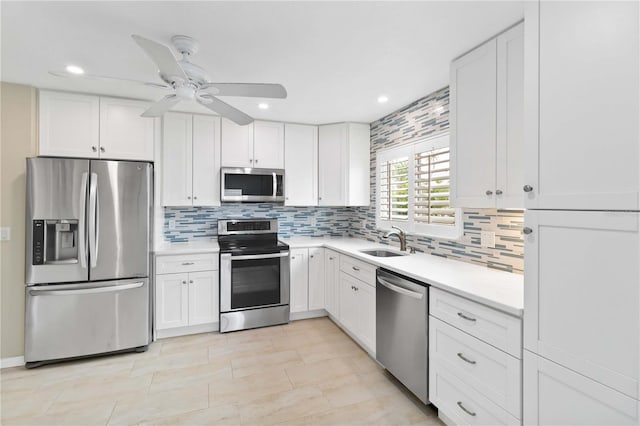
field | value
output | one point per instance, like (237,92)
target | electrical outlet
(5,233)
(172,224)
(488,239)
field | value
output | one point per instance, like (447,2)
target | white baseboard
(184,331)
(295,316)
(16,361)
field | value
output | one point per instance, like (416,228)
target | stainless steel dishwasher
(401,330)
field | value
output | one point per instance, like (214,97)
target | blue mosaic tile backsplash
(193,223)
(424,117)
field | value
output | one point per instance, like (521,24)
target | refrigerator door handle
(69,292)
(82,225)
(93,211)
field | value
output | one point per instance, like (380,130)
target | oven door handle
(261,256)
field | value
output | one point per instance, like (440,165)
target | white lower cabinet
(185,297)
(555,395)
(299,280)
(357,312)
(475,361)
(316,279)
(331,280)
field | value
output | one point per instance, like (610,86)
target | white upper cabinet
(343,164)
(486,113)
(177,147)
(301,165)
(69,124)
(268,145)
(124,134)
(259,144)
(582,293)
(237,144)
(206,160)
(190,160)
(74,125)
(510,119)
(582,105)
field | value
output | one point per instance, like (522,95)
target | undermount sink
(382,253)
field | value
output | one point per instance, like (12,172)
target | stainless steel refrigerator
(87,257)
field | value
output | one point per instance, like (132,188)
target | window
(413,189)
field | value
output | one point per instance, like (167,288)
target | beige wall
(18,140)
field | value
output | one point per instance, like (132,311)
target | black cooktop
(251,244)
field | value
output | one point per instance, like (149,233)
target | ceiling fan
(190,81)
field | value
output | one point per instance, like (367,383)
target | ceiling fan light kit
(190,82)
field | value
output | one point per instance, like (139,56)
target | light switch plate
(5,233)
(488,239)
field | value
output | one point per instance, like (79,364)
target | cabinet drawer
(187,263)
(487,324)
(461,403)
(491,372)
(358,269)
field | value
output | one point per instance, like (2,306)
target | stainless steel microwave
(250,185)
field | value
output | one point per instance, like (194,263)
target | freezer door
(120,207)
(56,194)
(69,320)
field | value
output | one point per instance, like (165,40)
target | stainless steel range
(254,274)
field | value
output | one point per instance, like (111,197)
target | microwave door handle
(82,223)
(275,184)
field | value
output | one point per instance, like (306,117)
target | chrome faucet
(402,236)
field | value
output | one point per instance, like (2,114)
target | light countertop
(192,247)
(501,290)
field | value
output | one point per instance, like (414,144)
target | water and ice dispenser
(55,242)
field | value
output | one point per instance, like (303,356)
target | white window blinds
(413,189)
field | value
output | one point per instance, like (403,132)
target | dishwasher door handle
(399,289)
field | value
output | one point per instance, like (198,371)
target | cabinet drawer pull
(355,268)
(465,359)
(489,192)
(498,191)
(463,316)
(187,263)
(462,407)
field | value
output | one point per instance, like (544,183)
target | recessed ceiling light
(73,69)
(382,99)
(263,105)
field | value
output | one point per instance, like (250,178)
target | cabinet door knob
(330,258)
(293,258)
(188,197)
(190,281)
(319,198)
(195,198)
(489,192)
(102,149)
(526,230)
(184,282)
(311,256)
(256,160)
(498,191)
(527,188)
(94,149)
(251,160)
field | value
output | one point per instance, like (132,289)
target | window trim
(410,226)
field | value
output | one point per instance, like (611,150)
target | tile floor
(306,372)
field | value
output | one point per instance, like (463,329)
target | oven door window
(255,282)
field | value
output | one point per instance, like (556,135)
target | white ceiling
(334,58)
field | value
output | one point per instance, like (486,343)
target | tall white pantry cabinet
(582,234)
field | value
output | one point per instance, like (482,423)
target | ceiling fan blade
(162,106)
(163,57)
(225,110)
(103,77)
(255,90)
